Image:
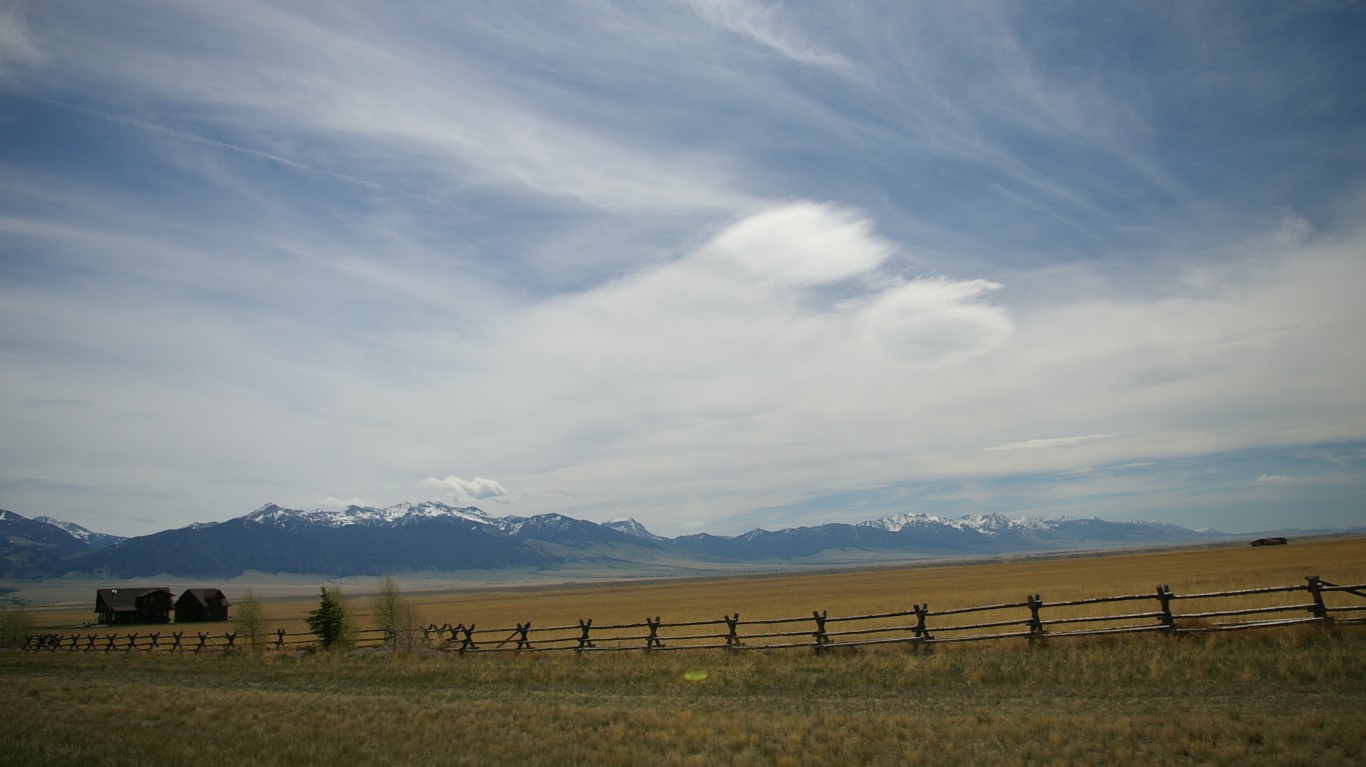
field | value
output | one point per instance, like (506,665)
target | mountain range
(431,536)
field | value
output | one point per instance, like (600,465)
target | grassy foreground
(1293,696)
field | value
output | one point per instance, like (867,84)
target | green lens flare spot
(694,676)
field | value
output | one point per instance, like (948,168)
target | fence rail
(1327,603)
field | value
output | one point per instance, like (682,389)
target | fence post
(584,641)
(109,642)
(1164,598)
(203,638)
(156,640)
(732,638)
(231,639)
(922,634)
(822,639)
(468,642)
(1036,629)
(520,635)
(132,640)
(89,642)
(652,640)
(279,639)
(1320,610)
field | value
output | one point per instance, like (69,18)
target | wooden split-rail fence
(1162,611)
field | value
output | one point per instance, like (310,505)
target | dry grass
(883,589)
(873,590)
(878,590)
(1288,696)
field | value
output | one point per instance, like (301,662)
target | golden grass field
(1278,696)
(873,590)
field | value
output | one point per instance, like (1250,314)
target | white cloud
(933,322)
(764,25)
(17,47)
(674,376)
(800,244)
(467,490)
(1052,442)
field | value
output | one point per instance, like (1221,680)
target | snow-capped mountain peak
(630,526)
(898,522)
(84,534)
(986,524)
(370,516)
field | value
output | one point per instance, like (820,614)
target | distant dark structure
(198,605)
(1270,542)
(116,606)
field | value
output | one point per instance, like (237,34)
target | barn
(134,605)
(197,605)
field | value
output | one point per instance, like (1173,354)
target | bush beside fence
(1033,619)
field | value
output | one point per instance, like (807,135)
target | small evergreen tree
(250,619)
(331,622)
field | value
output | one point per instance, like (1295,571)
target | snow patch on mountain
(89,537)
(986,524)
(369,516)
(630,526)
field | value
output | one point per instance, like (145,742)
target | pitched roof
(206,597)
(124,600)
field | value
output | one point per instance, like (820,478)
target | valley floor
(1289,697)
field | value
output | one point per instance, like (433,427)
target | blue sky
(713,264)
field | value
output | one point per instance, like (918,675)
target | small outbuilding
(134,605)
(1270,542)
(197,605)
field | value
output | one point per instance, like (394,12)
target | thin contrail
(197,139)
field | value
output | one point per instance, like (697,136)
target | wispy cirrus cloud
(1052,442)
(675,260)
(345,83)
(763,24)
(18,50)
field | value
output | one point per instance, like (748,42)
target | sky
(711,264)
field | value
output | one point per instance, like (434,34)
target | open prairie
(780,595)
(1283,696)
(882,589)
(857,590)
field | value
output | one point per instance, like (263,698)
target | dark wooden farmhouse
(1270,542)
(197,605)
(134,605)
